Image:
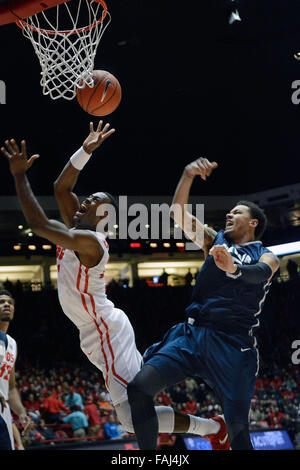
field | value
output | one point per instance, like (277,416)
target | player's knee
(145,385)
(133,392)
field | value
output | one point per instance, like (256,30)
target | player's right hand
(18,162)
(201,167)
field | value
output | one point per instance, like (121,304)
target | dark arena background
(192,85)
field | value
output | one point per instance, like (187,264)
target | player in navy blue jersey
(216,341)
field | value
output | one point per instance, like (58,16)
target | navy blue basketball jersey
(223,303)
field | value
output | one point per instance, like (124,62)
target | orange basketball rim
(65,35)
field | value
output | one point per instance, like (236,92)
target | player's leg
(239,436)
(141,391)
(127,364)
(170,421)
(149,420)
(6,415)
(5,442)
(232,364)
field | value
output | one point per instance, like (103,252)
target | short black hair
(6,292)
(256,212)
(115,204)
(113,200)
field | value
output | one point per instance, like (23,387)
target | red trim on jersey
(98,327)
(87,310)
(108,342)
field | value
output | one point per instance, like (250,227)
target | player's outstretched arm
(63,186)
(200,234)
(56,232)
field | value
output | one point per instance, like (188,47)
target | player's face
(88,214)
(239,223)
(7,308)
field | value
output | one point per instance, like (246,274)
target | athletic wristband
(80,158)
(252,273)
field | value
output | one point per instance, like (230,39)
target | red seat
(101,434)
(60,435)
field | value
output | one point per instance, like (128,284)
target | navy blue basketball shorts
(5,443)
(228,364)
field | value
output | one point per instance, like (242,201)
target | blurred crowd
(72,402)
(66,403)
(51,367)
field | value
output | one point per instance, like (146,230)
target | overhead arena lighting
(285,248)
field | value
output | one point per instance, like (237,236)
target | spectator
(104,403)
(74,399)
(191,404)
(78,421)
(46,431)
(255,414)
(92,412)
(33,407)
(292,268)
(122,431)
(52,407)
(111,429)
(188,278)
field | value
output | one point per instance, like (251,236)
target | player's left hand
(18,162)
(223,258)
(26,422)
(95,138)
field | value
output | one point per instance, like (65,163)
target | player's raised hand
(96,137)
(18,161)
(201,167)
(223,258)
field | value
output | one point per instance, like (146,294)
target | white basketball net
(66,56)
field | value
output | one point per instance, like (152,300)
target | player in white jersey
(106,335)
(8,387)
(5,443)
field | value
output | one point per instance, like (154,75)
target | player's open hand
(223,258)
(18,162)
(95,138)
(201,167)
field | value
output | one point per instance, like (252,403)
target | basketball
(104,97)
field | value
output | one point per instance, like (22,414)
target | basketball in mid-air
(104,97)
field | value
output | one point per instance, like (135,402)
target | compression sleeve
(253,273)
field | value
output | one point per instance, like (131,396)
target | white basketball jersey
(80,289)
(106,334)
(7,365)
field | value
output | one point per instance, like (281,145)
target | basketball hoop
(67,54)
